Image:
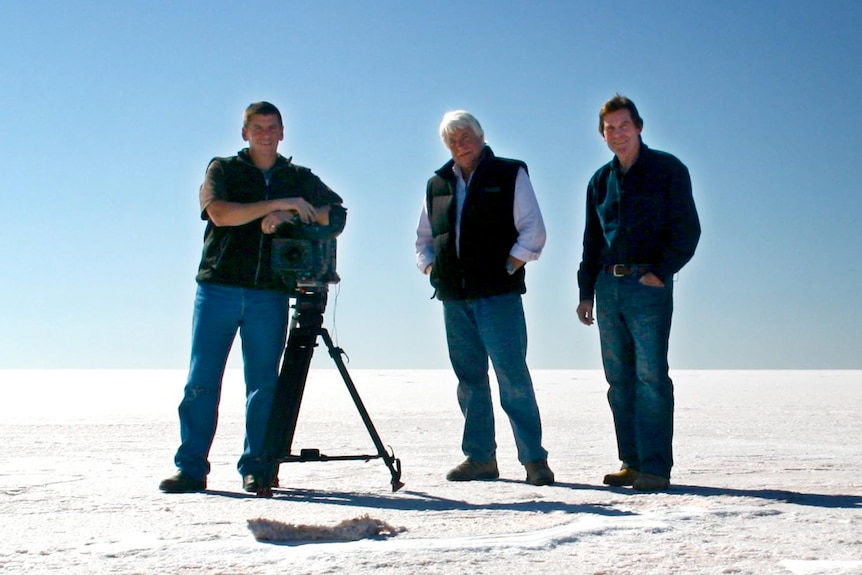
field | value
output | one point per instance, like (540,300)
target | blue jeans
(261,318)
(634,326)
(493,327)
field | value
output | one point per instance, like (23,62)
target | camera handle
(305,327)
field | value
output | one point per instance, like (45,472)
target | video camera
(303,262)
(303,255)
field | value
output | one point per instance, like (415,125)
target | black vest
(240,255)
(487,231)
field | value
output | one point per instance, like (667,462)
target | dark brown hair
(619,102)
(262,108)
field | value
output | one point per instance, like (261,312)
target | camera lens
(293,254)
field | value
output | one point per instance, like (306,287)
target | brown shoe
(624,477)
(183,483)
(470,470)
(538,472)
(647,482)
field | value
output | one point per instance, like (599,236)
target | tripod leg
(288,397)
(391,461)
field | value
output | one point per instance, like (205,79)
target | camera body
(304,255)
(303,263)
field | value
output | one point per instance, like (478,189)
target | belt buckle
(616,274)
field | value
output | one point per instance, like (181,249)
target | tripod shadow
(409,500)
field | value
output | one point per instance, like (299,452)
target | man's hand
(224,213)
(300,207)
(585,312)
(271,221)
(651,280)
(289,210)
(513,264)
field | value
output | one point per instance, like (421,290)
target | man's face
(263,133)
(466,148)
(622,136)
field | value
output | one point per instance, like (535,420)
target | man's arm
(424,242)
(683,224)
(224,213)
(593,243)
(529,223)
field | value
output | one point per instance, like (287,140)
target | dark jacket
(487,230)
(646,216)
(240,255)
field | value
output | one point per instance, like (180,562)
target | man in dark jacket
(641,228)
(480,223)
(244,198)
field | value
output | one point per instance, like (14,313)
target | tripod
(305,327)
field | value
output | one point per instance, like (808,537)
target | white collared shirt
(528,221)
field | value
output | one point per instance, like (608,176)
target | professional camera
(303,261)
(303,255)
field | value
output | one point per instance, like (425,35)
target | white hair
(459,120)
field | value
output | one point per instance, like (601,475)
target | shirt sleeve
(683,225)
(528,221)
(591,264)
(213,187)
(316,192)
(424,241)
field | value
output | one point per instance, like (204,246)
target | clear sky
(111,111)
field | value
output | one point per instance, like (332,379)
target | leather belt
(621,270)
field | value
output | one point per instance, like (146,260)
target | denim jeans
(261,318)
(493,327)
(634,326)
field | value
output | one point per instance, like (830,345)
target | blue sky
(111,111)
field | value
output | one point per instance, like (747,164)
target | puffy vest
(240,255)
(487,231)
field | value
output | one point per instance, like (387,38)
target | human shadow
(229,494)
(409,500)
(832,501)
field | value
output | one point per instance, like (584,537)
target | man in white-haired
(480,224)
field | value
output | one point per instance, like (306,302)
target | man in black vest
(479,225)
(244,198)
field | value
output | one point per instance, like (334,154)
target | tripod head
(311,301)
